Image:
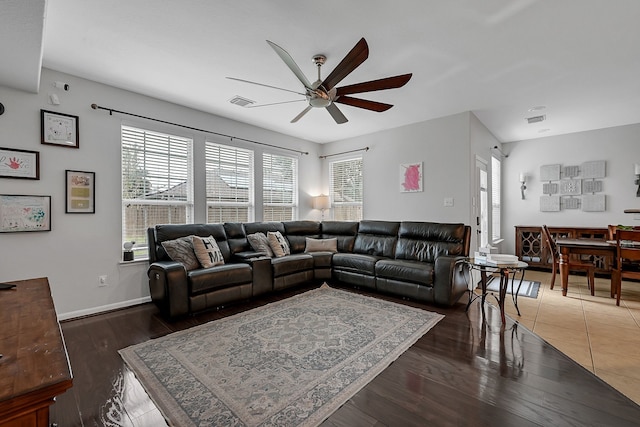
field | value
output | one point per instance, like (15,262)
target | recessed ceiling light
(537,108)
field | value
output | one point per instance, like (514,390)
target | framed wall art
(59,129)
(410,177)
(24,213)
(80,192)
(22,164)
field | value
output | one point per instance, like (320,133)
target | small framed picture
(22,164)
(59,129)
(24,213)
(80,192)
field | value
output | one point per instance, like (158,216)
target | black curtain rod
(111,111)
(344,152)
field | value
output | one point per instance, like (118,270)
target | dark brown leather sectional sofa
(417,260)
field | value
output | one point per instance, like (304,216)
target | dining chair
(627,257)
(573,264)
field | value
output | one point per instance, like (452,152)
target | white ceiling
(497,58)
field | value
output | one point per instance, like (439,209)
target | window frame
(131,135)
(335,204)
(250,203)
(268,202)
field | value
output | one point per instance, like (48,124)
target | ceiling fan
(325,94)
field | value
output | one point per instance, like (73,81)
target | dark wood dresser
(34,368)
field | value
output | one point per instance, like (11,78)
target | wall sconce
(321,202)
(637,181)
(523,180)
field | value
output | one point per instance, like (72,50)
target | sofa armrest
(450,281)
(169,288)
(262,274)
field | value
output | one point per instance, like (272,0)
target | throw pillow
(260,243)
(181,250)
(207,251)
(278,244)
(321,245)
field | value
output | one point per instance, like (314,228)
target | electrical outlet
(448,201)
(102,281)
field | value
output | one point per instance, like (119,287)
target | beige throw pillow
(181,250)
(260,243)
(207,251)
(321,245)
(278,244)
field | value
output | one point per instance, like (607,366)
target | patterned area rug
(292,362)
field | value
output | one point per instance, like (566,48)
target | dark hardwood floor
(466,371)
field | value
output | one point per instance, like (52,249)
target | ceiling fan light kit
(325,94)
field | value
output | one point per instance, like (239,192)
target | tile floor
(592,330)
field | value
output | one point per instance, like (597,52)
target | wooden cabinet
(531,248)
(34,368)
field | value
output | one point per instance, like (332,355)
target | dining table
(596,247)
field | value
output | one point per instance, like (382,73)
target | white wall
(81,247)
(618,146)
(443,147)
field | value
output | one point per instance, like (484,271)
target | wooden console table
(34,368)
(530,246)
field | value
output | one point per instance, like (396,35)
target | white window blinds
(230,184)
(279,187)
(346,188)
(157,183)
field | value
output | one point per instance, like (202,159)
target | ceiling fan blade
(274,103)
(284,55)
(373,85)
(299,116)
(356,56)
(261,84)
(336,114)
(363,103)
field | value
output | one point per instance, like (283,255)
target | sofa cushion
(218,277)
(406,271)
(321,245)
(321,259)
(359,263)
(260,243)
(181,250)
(425,241)
(297,231)
(344,231)
(377,238)
(291,264)
(236,237)
(278,244)
(207,251)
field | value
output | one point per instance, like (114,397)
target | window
(495,198)
(229,184)
(279,187)
(157,183)
(346,189)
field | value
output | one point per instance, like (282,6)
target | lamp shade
(321,202)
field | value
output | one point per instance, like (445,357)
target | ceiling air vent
(536,119)
(243,102)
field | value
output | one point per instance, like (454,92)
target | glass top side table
(507,271)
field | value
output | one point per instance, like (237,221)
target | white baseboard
(101,309)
